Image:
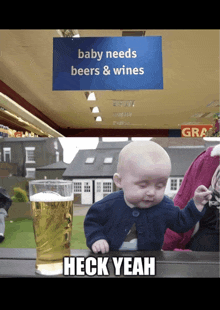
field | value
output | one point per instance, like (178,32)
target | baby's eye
(142,186)
(159,186)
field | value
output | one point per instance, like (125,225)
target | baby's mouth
(146,203)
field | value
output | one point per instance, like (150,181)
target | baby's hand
(100,246)
(201,196)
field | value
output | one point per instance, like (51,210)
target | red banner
(194,131)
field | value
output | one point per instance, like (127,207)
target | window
(30,154)
(7,154)
(108,160)
(107,187)
(77,187)
(57,157)
(90,160)
(86,187)
(99,187)
(173,184)
(30,173)
(55,144)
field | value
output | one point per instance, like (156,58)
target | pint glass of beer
(52,211)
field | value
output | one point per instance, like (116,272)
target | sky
(72,145)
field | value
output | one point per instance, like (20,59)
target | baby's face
(144,186)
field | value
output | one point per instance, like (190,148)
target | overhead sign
(106,63)
(194,130)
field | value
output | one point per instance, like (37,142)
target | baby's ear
(117,180)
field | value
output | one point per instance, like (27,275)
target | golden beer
(52,223)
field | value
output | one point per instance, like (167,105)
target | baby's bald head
(143,171)
(138,154)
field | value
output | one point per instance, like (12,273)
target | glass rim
(50,181)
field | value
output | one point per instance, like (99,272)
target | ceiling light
(90,96)
(192,123)
(123,103)
(95,110)
(214,103)
(98,119)
(24,115)
(198,115)
(209,114)
(122,114)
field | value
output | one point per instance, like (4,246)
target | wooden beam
(100,132)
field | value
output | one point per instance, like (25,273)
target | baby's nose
(150,191)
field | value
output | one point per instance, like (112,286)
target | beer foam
(49,197)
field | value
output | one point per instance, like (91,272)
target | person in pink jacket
(200,172)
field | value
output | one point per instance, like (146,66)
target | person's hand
(100,246)
(201,196)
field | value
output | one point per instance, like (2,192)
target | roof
(112,145)
(55,166)
(78,167)
(176,141)
(181,159)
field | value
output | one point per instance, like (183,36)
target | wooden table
(21,263)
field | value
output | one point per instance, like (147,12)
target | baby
(137,217)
